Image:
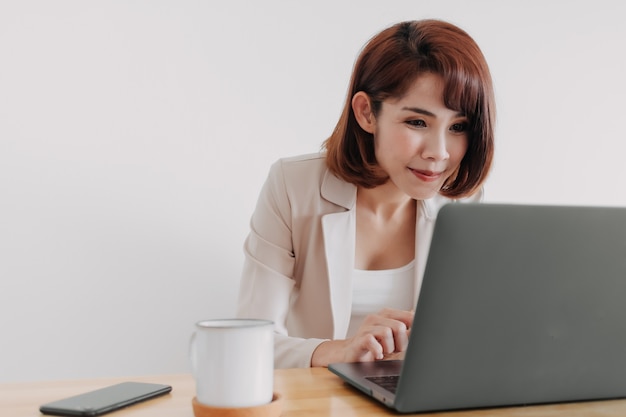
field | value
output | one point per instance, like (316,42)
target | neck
(385,200)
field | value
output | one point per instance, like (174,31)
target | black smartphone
(104,400)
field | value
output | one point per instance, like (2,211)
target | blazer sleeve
(267,280)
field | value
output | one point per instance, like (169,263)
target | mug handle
(193,354)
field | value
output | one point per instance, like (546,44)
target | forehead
(424,86)
(425,92)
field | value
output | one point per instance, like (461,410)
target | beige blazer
(299,256)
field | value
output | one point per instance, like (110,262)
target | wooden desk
(307,392)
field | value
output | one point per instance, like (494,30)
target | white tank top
(375,290)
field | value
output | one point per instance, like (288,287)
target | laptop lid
(520,304)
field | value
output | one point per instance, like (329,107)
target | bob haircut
(386,68)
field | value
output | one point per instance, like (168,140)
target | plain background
(135,136)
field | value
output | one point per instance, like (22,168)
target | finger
(404,316)
(394,356)
(385,337)
(401,334)
(401,337)
(386,316)
(398,334)
(371,345)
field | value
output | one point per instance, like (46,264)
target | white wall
(135,135)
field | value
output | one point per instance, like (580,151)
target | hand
(380,334)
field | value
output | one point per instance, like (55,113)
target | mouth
(426,175)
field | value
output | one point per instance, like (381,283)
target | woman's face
(418,141)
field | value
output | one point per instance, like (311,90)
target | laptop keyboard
(388,382)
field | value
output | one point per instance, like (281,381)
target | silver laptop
(520,305)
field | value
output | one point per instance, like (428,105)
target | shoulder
(293,178)
(299,171)
(305,179)
(313,162)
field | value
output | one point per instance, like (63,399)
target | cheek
(393,142)
(457,150)
(384,146)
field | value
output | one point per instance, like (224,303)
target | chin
(423,195)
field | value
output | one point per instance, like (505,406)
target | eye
(459,127)
(416,123)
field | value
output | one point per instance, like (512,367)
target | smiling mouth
(426,175)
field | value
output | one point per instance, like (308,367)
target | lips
(426,175)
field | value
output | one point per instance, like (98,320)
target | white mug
(233,362)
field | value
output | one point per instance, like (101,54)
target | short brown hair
(387,66)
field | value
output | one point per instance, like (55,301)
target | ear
(362,108)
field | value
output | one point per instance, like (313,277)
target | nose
(435,145)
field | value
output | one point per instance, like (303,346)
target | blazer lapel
(339,241)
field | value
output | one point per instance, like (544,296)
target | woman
(338,240)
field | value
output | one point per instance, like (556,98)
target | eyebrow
(428,113)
